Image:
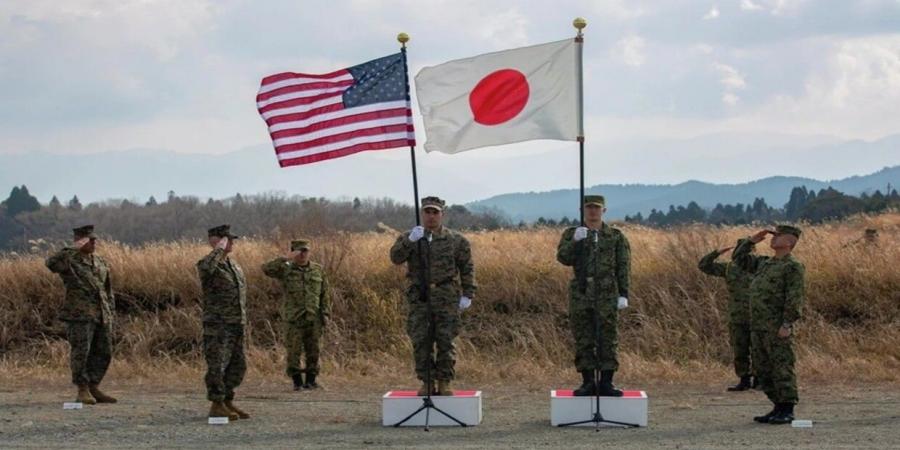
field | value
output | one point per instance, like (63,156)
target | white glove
(464,303)
(416,233)
(580,233)
(623,303)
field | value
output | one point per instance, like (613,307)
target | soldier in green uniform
(88,312)
(450,278)
(776,295)
(601,259)
(305,309)
(224,318)
(738,283)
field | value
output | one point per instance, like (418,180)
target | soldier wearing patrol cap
(224,321)
(88,312)
(450,273)
(601,260)
(305,309)
(776,295)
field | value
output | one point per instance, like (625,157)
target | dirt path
(680,417)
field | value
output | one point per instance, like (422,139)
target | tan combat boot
(444,388)
(218,409)
(240,412)
(84,395)
(100,396)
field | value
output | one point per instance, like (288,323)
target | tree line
(803,205)
(24,221)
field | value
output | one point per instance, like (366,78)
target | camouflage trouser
(774,362)
(302,338)
(445,310)
(740,347)
(584,329)
(91,351)
(223,348)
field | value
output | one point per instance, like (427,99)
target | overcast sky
(181,75)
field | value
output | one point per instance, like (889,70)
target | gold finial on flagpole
(579,23)
(403,38)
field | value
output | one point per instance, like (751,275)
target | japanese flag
(499,98)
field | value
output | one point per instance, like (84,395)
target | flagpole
(403,38)
(579,24)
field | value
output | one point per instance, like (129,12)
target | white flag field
(503,97)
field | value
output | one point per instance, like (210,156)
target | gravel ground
(680,417)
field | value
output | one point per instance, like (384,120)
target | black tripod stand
(424,294)
(597,418)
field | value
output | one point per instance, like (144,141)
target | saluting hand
(722,251)
(222,244)
(759,236)
(82,242)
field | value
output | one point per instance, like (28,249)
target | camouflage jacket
(450,255)
(738,282)
(224,289)
(306,294)
(89,295)
(601,262)
(776,291)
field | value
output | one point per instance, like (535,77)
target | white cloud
(712,14)
(630,51)
(730,99)
(748,5)
(730,77)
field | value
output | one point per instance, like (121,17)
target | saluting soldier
(88,312)
(305,309)
(224,320)
(776,295)
(738,282)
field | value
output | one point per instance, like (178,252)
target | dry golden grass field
(675,329)
(515,345)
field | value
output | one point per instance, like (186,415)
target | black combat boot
(743,385)
(587,384)
(311,381)
(755,384)
(785,415)
(298,381)
(606,388)
(765,419)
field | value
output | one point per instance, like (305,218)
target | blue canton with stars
(377,81)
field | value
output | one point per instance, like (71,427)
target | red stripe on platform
(625,394)
(400,394)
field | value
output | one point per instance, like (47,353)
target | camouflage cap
(788,229)
(299,244)
(222,231)
(86,231)
(598,200)
(433,202)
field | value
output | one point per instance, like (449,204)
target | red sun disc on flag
(499,97)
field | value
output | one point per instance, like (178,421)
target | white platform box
(463,405)
(630,408)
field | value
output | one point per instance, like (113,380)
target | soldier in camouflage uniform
(88,312)
(738,282)
(224,318)
(776,295)
(450,285)
(601,259)
(305,309)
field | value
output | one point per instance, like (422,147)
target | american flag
(317,117)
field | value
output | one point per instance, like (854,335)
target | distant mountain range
(633,198)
